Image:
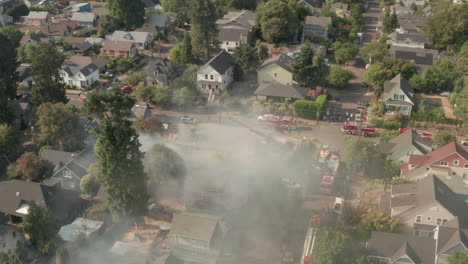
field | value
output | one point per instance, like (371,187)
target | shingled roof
(405,140)
(282,91)
(398,83)
(221,62)
(282,60)
(195,226)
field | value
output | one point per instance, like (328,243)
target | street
(371,25)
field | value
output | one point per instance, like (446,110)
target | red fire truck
(353,128)
(327,185)
(423,134)
(286,122)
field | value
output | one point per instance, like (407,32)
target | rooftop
(195,226)
(320,21)
(221,62)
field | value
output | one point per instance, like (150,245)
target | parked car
(464,141)
(83,98)
(187,119)
(126,89)
(288,257)
(367,66)
(265,117)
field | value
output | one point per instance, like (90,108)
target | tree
(90,183)
(18,10)
(28,167)
(39,224)
(391,168)
(377,75)
(183,97)
(136,78)
(163,164)
(186,51)
(332,246)
(381,222)
(276,19)
(394,19)
(48,85)
(358,153)
(339,77)
(243,4)
(131,13)
(19,255)
(117,149)
(180,8)
(387,22)
(13,34)
(175,55)
(458,257)
(150,125)
(387,135)
(309,70)
(58,126)
(407,68)
(8,138)
(204,30)
(443,138)
(245,61)
(442,76)
(345,51)
(374,51)
(446,27)
(262,52)
(8,76)
(108,24)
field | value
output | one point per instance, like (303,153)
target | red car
(83,98)
(126,89)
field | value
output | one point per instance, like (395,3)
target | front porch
(395,108)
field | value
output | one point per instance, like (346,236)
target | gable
(274,67)
(459,246)
(207,69)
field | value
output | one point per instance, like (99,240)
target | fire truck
(287,122)
(423,134)
(353,128)
(327,185)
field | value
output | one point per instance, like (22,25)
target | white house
(79,71)
(216,74)
(141,39)
(398,96)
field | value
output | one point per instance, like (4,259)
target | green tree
(18,10)
(8,76)
(180,8)
(183,97)
(391,168)
(117,149)
(245,61)
(443,138)
(58,126)
(90,183)
(28,167)
(242,4)
(309,69)
(163,164)
(387,21)
(8,138)
(175,55)
(276,19)
(188,78)
(109,24)
(26,52)
(394,19)
(131,13)
(458,257)
(136,78)
(39,224)
(262,51)
(442,76)
(388,135)
(379,221)
(339,77)
(345,52)
(358,153)
(13,34)
(377,75)
(405,67)
(186,51)
(19,255)
(333,246)
(204,30)
(151,125)
(374,51)
(48,85)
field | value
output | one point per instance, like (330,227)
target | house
(80,7)
(277,69)
(280,92)
(80,227)
(56,31)
(84,48)
(399,9)
(433,248)
(414,40)
(449,163)
(85,19)
(39,37)
(5,20)
(410,23)
(160,21)
(317,26)
(406,144)
(216,74)
(341,9)
(35,18)
(16,195)
(118,48)
(141,40)
(94,40)
(55,158)
(235,28)
(419,3)
(196,238)
(423,58)
(312,5)
(426,202)
(24,72)
(79,71)
(73,41)
(398,96)
(9,236)
(139,111)
(151,5)
(158,71)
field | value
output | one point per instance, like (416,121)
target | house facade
(398,96)
(235,28)
(118,48)
(35,18)
(158,71)
(141,40)
(407,40)
(317,26)
(217,74)
(276,70)
(79,71)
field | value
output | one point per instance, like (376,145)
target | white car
(464,141)
(265,117)
(367,66)
(187,119)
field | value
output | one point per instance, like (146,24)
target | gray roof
(282,60)
(84,46)
(84,226)
(320,21)
(37,15)
(413,21)
(158,65)
(15,193)
(413,37)
(195,226)
(282,91)
(242,17)
(421,57)
(221,62)
(450,235)
(24,71)
(56,157)
(158,19)
(78,64)
(396,84)
(139,111)
(131,36)
(232,33)
(83,17)
(405,140)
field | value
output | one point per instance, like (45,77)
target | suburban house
(280,92)
(398,96)
(422,203)
(406,144)
(85,19)
(216,74)
(158,71)
(449,163)
(312,5)
(407,40)
(277,69)
(399,9)
(118,48)
(40,37)
(73,41)
(160,21)
(423,58)
(55,30)
(81,226)
(196,238)
(317,26)
(141,40)
(341,9)
(79,71)
(434,248)
(5,20)
(101,11)
(16,195)
(235,28)
(411,23)
(84,49)
(139,111)
(35,18)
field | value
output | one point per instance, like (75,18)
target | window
(211,77)
(456,162)
(465,176)
(439,221)
(454,173)
(206,76)
(227,43)
(399,97)
(466,166)
(428,218)
(418,219)
(444,221)
(275,75)
(444,163)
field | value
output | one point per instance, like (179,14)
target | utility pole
(219,106)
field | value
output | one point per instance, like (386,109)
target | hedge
(387,124)
(306,108)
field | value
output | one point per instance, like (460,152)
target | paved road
(371,22)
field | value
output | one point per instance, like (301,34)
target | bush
(388,135)
(391,125)
(98,211)
(44,148)
(89,184)
(377,122)
(11,170)
(306,108)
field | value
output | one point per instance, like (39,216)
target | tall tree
(13,34)
(8,76)
(180,8)
(163,164)
(204,29)
(108,24)
(28,167)
(277,20)
(339,77)
(8,138)
(358,153)
(309,70)
(130,12)
(245,61)
(119,155)
(186,50)
(48,85)
(39,224)
(375,51)
(262,52)
(387,21)
(443,138)
(18,10)
(243,4)
(458,257)
(345,51)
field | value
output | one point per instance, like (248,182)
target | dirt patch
(443,102)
